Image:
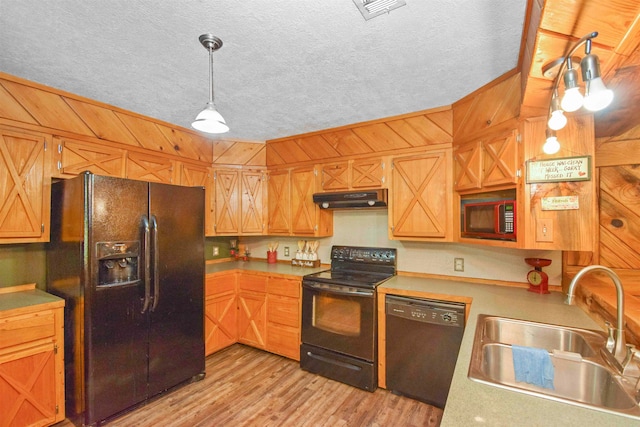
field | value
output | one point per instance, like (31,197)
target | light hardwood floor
(248,387)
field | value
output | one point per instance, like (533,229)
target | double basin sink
(581,374)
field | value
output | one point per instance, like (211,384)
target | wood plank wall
(32,106)
(394,135)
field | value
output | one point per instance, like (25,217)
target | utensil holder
(272,257)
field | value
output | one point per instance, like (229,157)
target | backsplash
(369,228)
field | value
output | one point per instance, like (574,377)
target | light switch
(544,230)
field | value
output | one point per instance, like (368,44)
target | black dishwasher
(422,342)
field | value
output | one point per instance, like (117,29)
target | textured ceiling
(286,67)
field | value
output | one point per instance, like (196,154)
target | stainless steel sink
(541,335)
(581,375)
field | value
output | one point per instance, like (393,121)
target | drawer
(284,341)
(283,310)
(26,328)
(216,285)
(284,287)
(252,283)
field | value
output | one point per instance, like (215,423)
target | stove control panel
(364,255)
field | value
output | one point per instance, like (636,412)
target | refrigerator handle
(147,264)
(156,279)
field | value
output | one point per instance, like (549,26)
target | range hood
(352,199)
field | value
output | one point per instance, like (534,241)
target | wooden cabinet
(279,203)
(353,175)
(421,197)
(283,316)
(31,359)
(252,310)
(145,167)
(307,219)
(260,310)
(240,207)
(487,162)
(291,208)
(199,176)
(221,312)
(25,186)
(72,157)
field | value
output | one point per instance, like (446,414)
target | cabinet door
(303,210)
(279,203)
(422,196)
(335,176)
(500,158)
(252,202)
(227,215)
(252,318)
(198,176)
(367,173)
(75,157)
(220,323)
(221,312)
(144,167)
(468,166)
(28,386)
(25,187)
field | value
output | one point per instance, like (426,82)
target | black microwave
(489,219)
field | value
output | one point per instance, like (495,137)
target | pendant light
(209,120)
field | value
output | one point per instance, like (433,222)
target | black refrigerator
(128,258)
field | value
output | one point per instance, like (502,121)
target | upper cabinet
(279,203)
(353,175)
(487,162)
(240,202)
(307,219)
(291,208)
(420,205)
(73,157)
(25,186)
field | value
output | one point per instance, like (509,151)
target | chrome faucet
(619,349)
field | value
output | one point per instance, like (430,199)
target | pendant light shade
(210,120)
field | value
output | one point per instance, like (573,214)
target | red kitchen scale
(538,279)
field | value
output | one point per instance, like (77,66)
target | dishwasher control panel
(428,311)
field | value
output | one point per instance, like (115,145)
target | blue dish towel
(533,365)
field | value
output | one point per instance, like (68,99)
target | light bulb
(597,95)
(551,146)
(210,121)
(572,100)
(557,120)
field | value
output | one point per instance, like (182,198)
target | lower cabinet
(32,363)
(259,310)
(252,314)
(283,317)
(221,313)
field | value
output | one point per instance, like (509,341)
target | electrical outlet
(216,251)
(286,251)
(458,264)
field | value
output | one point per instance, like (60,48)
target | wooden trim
(18,288)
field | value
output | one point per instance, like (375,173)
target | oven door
(339,318)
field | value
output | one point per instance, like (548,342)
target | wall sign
(560,203)
(555,170)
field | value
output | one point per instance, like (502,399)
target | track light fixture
(597,96)
(209,120)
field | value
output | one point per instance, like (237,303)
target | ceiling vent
(372,8)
